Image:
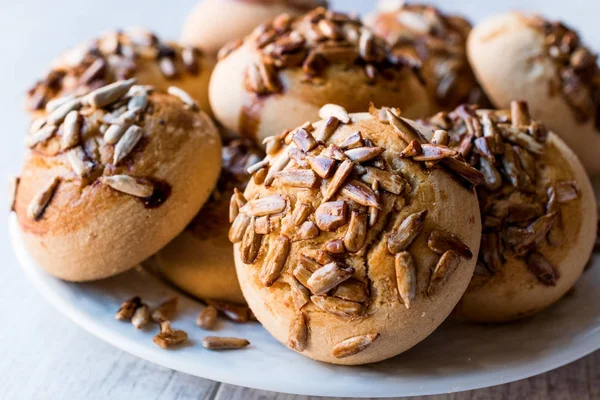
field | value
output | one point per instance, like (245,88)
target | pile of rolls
(353,182)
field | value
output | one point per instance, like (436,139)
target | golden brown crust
(537,209)
(436,42)
(106,216)
(351,267)
(131,53)
(200,260)
(302,63)
(539,60)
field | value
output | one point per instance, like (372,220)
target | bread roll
(285,71)
(132,53)
(523,57)
(331,246)
(538,212)
(112,177)
(200,260)
(434,41)
(214,23)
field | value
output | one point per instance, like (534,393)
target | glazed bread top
(115,56)
(530,200)
(437,43)
(335,224)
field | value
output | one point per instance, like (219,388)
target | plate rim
(543,364)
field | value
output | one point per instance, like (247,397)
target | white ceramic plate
(456,357)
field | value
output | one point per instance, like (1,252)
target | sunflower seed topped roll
(331,243)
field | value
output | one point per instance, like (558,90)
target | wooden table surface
(45,356)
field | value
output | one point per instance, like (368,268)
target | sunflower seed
(138,102)
(409,229)
(444,268)
(189,56)
(566,191)
(520,138)
(406,277)
(302,274)
(403,128)
(254,81)
(363,154)
(127,143)
(307,230)
(272,144)
(334,152)
(434,152)
(491,176)
(302,178)
(322,165)
(336,182)
(127,184)
(301,213)
(338,307)
(224,343)
(304,140)
(490,131)
(464,170)
(71,128)
(298,335)
(352,290)
(265,206)
(275,260)
(40,201)
(53,104)
(352,141)
(78,162)
(328,277)
(440,242)
(234,208)
(527,161)
(207,318)
(333,110)
(141,316)
(250,244)
(109,94)
(356,234)
(57,116)
(519,114)
(257,166)
(277,164)
(523,240)
(359,193)
(300,294)
(327,129)
(353,345)
(233,312)
(269,76)
(440,136)
(335,246)
(413,149)
(238,228)
(331,215)
(545,272)
(36,125)
(184,97)
(310,264)
(166,311)
(40,136)
(167,67)
(127,309)
(490,251)
(387,181)
(168,336)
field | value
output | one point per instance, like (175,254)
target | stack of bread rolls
(360,182)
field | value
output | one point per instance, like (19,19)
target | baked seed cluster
(114,56)
(520,207)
